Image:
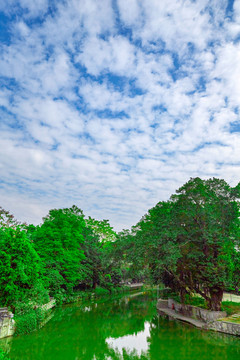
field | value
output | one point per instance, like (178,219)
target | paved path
(134,286)
(231,297)
(227,297)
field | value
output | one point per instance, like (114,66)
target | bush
(28,319)
(167,293)
(26,323)
(101,291)
(3,355)
(230,307)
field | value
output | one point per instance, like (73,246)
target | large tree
(73,249)
(20,267)
(58,242)
(206,219)
(191,241)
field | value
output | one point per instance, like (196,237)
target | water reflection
(137,342)
(127,328)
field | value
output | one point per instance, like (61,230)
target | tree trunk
(182,289)
(216,295)
(182,295)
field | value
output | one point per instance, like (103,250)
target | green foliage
(26,323)
(73,251)
(7,220)
(3,355)
(191,300)
(28,319)
(191,242)
(102,229)
(64,254)
(230,307)
(101,291)
(20,266)
(59,244)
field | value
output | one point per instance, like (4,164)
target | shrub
(101,291)
(230,307)
(28,320)
(3,355)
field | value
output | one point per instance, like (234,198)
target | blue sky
(113,105)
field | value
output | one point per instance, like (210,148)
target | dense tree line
(65,253)
(191,243)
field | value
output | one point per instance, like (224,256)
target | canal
(126,328)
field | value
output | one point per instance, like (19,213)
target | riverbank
(30,322)
(198,317)
(8,323)
(115,329)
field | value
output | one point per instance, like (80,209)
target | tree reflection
(82,333)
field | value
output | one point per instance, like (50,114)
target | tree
(58,242)
(7,219)
(206,217)
(72,249)
(20,266)
(191,241)
(102,229)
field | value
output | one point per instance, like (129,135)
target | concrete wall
(6,323)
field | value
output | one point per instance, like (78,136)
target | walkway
(231,297)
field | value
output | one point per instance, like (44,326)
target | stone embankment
(201,318)
(7,327)
(7,323)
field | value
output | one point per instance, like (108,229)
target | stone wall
(162,304)
(225,327)
(206,319)
(6,323)
(49,305)
(196,312)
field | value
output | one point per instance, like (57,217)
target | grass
(231,307)
(196,301)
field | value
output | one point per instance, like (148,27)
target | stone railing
(196,312)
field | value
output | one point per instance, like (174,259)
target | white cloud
(115,54)
(129,11)
(34,7)
(114,113)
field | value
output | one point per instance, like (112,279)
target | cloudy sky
(113,104)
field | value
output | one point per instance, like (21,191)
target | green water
(100,331)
